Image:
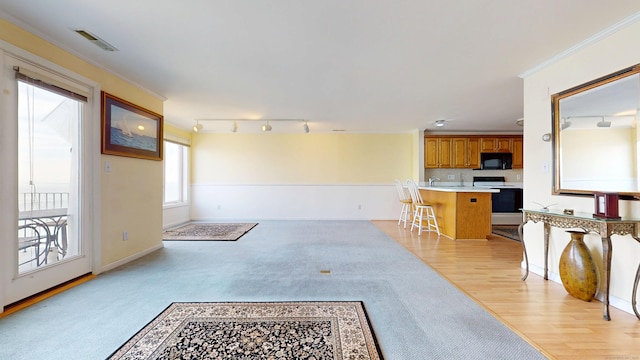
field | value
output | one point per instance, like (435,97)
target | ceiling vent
(96,40)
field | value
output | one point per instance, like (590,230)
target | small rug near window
(508,231)
(208,232)
(279,330)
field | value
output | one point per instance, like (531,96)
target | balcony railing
(43,201)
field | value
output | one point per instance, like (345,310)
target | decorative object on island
(577,269)
(606,205)
(568,211)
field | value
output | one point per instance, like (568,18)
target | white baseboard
(128,259)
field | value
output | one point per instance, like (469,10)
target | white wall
(295,202)
(610,54)
(175,215)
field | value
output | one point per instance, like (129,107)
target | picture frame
(130,130)
(606,205)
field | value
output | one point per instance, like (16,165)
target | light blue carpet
(415,313)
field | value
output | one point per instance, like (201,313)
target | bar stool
(421,211)
(405,199)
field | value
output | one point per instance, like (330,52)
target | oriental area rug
(208,232)
(508,231)
(246,330)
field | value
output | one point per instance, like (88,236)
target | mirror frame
(555,118)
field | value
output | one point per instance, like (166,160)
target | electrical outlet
(125,235)
(451,177)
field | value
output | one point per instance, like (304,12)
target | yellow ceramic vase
(577,269)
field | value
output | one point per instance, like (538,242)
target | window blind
(47,83)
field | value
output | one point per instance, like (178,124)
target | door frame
(90,176)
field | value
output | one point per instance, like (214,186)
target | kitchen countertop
(459,189)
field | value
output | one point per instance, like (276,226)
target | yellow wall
(172,130)
(132,192)
(301,158)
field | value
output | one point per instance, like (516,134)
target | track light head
(305,127)
(603,123)
(197,127)
(266,127)
(235,126)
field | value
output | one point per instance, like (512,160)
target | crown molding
(583,44)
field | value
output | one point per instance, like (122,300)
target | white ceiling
(358,65)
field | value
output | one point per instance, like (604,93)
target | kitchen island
(462,212)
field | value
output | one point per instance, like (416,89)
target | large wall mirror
(596,134)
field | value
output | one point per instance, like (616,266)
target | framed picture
(606,205)
(129,130)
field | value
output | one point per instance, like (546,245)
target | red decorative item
(606,205)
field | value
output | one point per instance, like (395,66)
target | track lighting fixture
(233,123)
(603,123)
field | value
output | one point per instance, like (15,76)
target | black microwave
(495,161)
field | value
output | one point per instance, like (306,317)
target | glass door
(47,180)
(48,245)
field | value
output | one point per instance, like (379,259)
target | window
(176,169)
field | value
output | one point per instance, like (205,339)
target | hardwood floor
(559,325)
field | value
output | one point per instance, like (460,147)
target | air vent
(96,40)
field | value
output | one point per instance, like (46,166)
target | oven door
(508,200)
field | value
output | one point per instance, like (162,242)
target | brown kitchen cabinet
(517,151)
(495,144)
(437,152)
(463,152)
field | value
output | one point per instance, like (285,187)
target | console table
(603,227)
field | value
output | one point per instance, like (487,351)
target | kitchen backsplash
(513,176)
